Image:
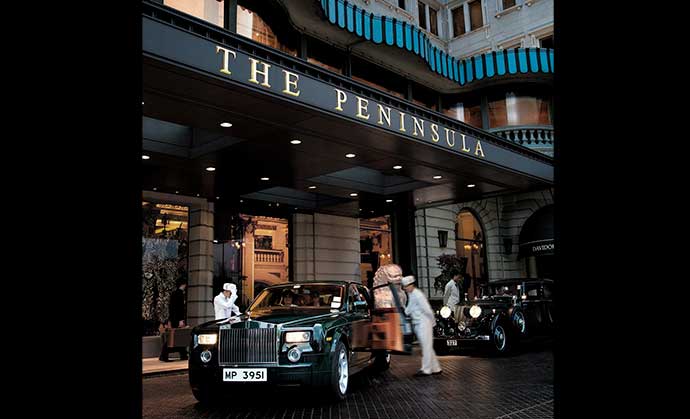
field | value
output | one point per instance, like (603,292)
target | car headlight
(475,311)
(208,339)
(297,337)
(445,312)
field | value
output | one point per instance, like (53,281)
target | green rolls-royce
(313,334)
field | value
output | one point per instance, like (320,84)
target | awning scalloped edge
(390,31)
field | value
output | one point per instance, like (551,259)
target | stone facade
(331,254)
(501,219)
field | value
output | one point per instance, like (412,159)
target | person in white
(423,320)
(224,303)
(451,294)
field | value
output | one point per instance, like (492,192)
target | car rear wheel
(520,323)
(340,372)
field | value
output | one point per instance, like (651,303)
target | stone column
(200,283)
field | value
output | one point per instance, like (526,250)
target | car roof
(292,284)
(520,280)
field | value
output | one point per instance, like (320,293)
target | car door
(359,316)
(388,329)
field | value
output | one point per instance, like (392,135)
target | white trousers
(425,336)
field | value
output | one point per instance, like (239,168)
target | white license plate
(451,342)
(244,374)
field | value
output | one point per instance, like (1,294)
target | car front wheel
(502,338)
(340,372)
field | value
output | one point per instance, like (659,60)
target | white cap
(228,286)
(407,280)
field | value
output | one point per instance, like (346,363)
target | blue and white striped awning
(393,32)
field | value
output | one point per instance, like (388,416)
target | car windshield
(307,296)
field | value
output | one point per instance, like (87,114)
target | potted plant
(448,263)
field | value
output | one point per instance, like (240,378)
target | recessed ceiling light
(270,205)
(350,156)
(295,208)
(438,177)
(296,141)
(155,189)
(217,197)
(145,157)
(197,194)
(277,204)
(389,200)
(241,201)
(264,178)
(210,169)
(177,191)
(398,167)
(142,102)
(312,187)
(360,209)
(353,194)
(225,124)
(471,185)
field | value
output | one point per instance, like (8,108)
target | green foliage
(448,263)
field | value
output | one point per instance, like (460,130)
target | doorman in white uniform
(224,303)
(423,320)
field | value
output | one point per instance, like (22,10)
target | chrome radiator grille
(240,346)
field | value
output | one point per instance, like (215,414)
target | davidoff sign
(291,84)
(179,47)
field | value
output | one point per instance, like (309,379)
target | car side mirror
(361,307)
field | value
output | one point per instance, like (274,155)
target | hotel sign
(236,66)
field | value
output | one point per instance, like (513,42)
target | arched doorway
(470,245)
(537,244)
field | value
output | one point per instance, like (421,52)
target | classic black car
(508,310)
(315,333)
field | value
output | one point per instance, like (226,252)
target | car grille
(248,346)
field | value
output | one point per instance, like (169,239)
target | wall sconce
(442,238)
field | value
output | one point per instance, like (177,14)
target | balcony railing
(526,134)
(268,256)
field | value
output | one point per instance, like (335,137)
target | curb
(151,374)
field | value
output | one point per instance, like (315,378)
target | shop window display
(164,260)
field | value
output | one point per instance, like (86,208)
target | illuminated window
(208,10)
(470,245)
(375,246)
(253,26)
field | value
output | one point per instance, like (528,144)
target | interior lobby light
(312,187)
(210,169)
(145,157)
(225,124)
(353,194)
(350,156)
(471,185)
(398,167)
(295,141)
(389,200)
(438,177)
(264,178)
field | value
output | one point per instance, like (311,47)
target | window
(422,14)
(546,42)
(458,21)
(513,109)
(507,4)
(354,295)
(401,4)
(470,246)
(208,10)
(377,77)
(433,21)
(325,55)
(468,111)
(375,246)
(164,259)
(424,97)
(476,19)
(253,26)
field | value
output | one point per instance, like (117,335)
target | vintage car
(507,311)
(313,334)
